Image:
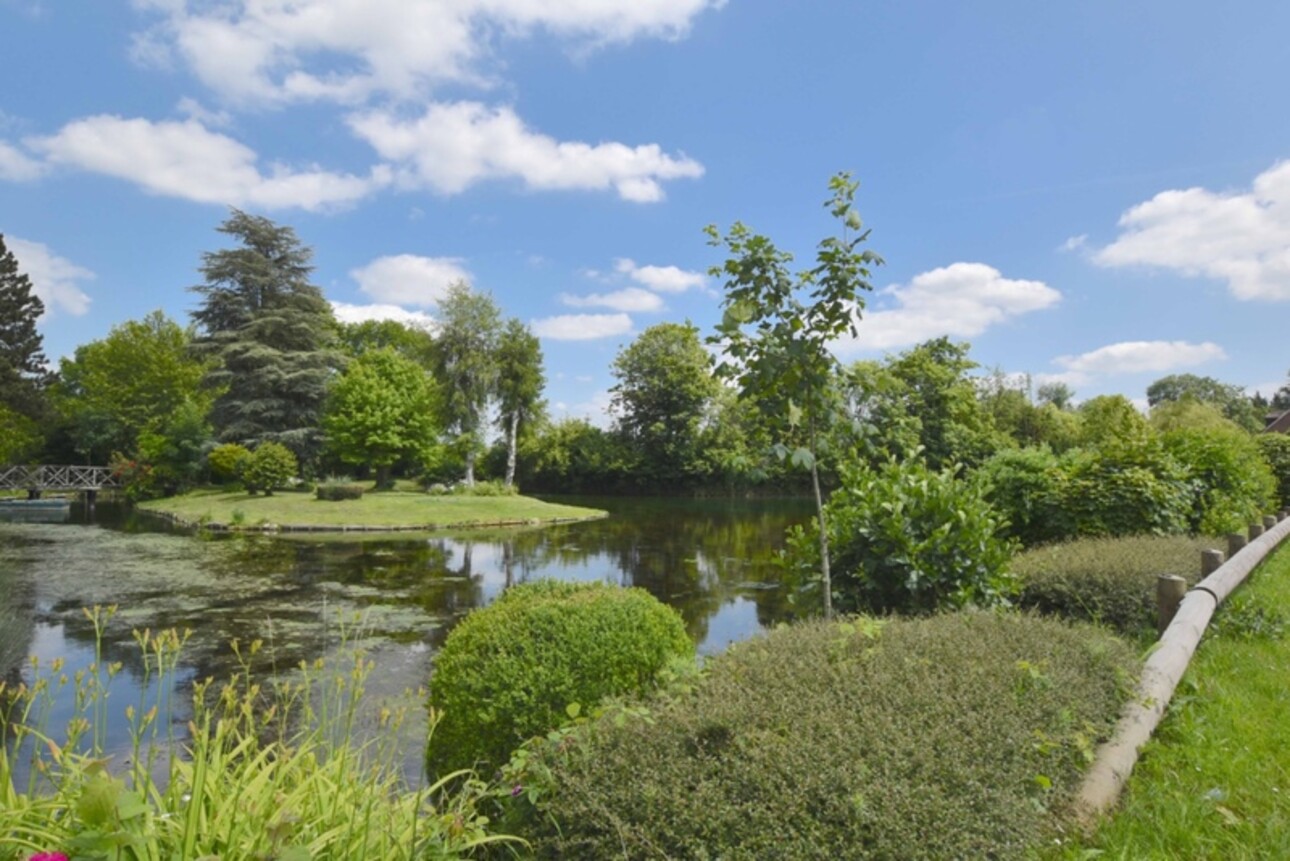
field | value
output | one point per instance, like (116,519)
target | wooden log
(1114,760)
(1170,589)
(1210,560)
(1235,543)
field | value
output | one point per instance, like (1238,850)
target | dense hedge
(1275,448)
(338,492)
(1232,485)
(1107,580)
(952,736)
(510,670)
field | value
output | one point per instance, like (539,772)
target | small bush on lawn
(268,468)
(954,736)
(1275,448)
(337,492)
(907,539)
(1107,580)
(485,488)
(226,461)
(510,670)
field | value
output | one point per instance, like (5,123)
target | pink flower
(48,856)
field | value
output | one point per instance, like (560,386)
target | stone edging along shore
(363,527)
(1114,760)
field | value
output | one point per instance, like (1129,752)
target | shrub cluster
(952,736)
(226,460)
(510,670)
(1275,448)
(268,467)
(338,491)
(1107,580)
(907,539)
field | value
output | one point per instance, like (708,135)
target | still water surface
(708,559)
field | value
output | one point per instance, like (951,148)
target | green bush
(510,670)
(1275,448)
(268,467)
(338,492)
(226,461)
(1023,486)
(485,488)
(1107,580)
(1128,486)
(953,736)
(1232,484)
(907,539)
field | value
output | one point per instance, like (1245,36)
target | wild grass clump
(952,736)
(512,669)
(338,491)
(275,771)
(1107,580)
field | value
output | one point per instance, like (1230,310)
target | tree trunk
(824,531)
(470,466)
(511,437)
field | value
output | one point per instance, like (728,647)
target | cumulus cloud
(407,279)
(960,300)
(630,299)
(256,51)
(582,327)
(347,313)
(665,279)
(1131,357)
(186,160)
(454,146)
(16,166)
(1240,237)
(56,280)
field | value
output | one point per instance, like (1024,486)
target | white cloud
(596,409)
(582,327)
(1074,243)
(1242,238)
(407,279)
(186,160)
(16,166)
(1131,357)
(961,300)
(630,299)
(665,279)
(453,146)
(352,50)
(54,279)
(195,110)
(347,313)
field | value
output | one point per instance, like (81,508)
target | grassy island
(375,511)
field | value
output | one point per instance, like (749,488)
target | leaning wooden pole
(1115,759)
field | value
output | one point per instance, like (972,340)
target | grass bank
(387,510)
(1214,782)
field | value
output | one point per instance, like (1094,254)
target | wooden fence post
(1209,562)
(1269,521)
(1170,589)
(1235,541)
(1256,529)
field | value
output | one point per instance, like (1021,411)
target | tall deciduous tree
(466,364)
(271,333)
(777,327)
(382,409)
(520,380)
(23,372)
(665,386)
(1230,399)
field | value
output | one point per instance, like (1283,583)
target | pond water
(397,595)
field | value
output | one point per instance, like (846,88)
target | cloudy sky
(1096,192)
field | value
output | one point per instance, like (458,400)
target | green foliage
(1127,486)
(19,436)
(408,340)
(510,670)
(908,539)
(573,456)
(268,467)
(337,491)
(937,391)
(465,363)
(1232,484)
(485,488)
(1275,448)
(269,334)
(1229,400)
(1107,580)
(520,380)
(1024,487)
(23,377)
(226,460)
(176,449)
(1110,418)
(955,736)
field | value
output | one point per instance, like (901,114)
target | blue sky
(1094,192)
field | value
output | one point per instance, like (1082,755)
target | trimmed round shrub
(953,736)
(1275,448)
(226,460)
(512,669)
(338,491)
(268,467)
(1107,580)
(908,539)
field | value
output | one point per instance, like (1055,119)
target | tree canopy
(520,380)
(465,363)
(23,372)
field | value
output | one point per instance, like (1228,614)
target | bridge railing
(46,477)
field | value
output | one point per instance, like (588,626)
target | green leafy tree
(226,460)
(1230,399)
(777,327)
(381,410)
(1275,448)
(23,373)
(1059,394)
(269,467)
(1108,418)
(270,334)
(520,381)
(665,386)
(19,436)
(940,394)
(465,363)
(136,380)
(408,340)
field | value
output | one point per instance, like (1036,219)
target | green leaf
(573,710)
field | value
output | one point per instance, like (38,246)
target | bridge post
(33,493)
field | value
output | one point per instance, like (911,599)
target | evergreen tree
(272,334)
(23,375)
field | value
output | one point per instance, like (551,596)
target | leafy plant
(1232,484)
(510,670)
(268,467)
(338,491)
(226,460)
(1275,448)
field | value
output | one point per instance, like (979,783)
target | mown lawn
(396,509)
(1214,783)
